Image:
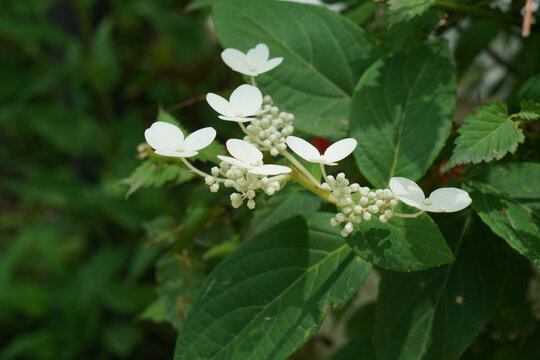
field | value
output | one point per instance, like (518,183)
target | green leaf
(154,312)
(530,110)
(488,134)
(281,207)
(507,198)
(179,278)
(407,9)
(269,297)
(435,314)
(324,56)
(152,173)
(402,112)
(401,244)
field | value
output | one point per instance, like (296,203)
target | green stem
(302,169)
(308,184)
(253,81)
(478,12)
(194,169)
(323,172)
(415,215)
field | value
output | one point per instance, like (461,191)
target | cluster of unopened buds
(270,130)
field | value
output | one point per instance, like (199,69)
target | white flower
(335,152)
(441,200)
(245,101)
(168,140)
(254,63)
(247,156)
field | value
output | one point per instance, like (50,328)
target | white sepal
(247,156)
(441,200)
(335,152)
(245,102)
(168,140)
(253,63)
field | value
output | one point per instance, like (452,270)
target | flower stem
(300,167)
(415,215)
(323,172)
(194,169)
(253,81)
(308,184)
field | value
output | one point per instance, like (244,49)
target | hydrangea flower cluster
(270,130)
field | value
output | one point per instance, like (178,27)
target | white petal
(234,162)
(450,199)
(164,136)
(199,139)
(246,100)
(236,60)
(236,119)
(257,56)
(269,65)
(183,154)
(340,150)
(270,170)
(303,149)
(408,192)
(220,104)
(244,151)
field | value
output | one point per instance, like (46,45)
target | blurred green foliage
(81,80)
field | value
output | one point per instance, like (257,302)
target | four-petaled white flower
(448,199)
(254,63)
(245,101)
(335,152)
(168,140)
(247,156)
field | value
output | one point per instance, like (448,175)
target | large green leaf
(324,56)
(402,112)
(507,198)
(435,314)
(283,206)
(401,244)
(488,134)
(268,298)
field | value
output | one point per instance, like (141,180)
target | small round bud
(334,222)
(326,187)
(348,227)
(383,219)
(354,187)
(267,143)
(340,217)
(367,216)
(214,187)
(371,196)
(269,191)
(347,210)
(356,219)
(364,191)
(274,151)
(229,183)
(393,203)
(379,194)
(388,214)
(215,171)
(358,209)
(251,204)
(250,194)
(275,185)
(373,209)
(379,203)
(344,233)
(342,202)
(364,200)
(209,180)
